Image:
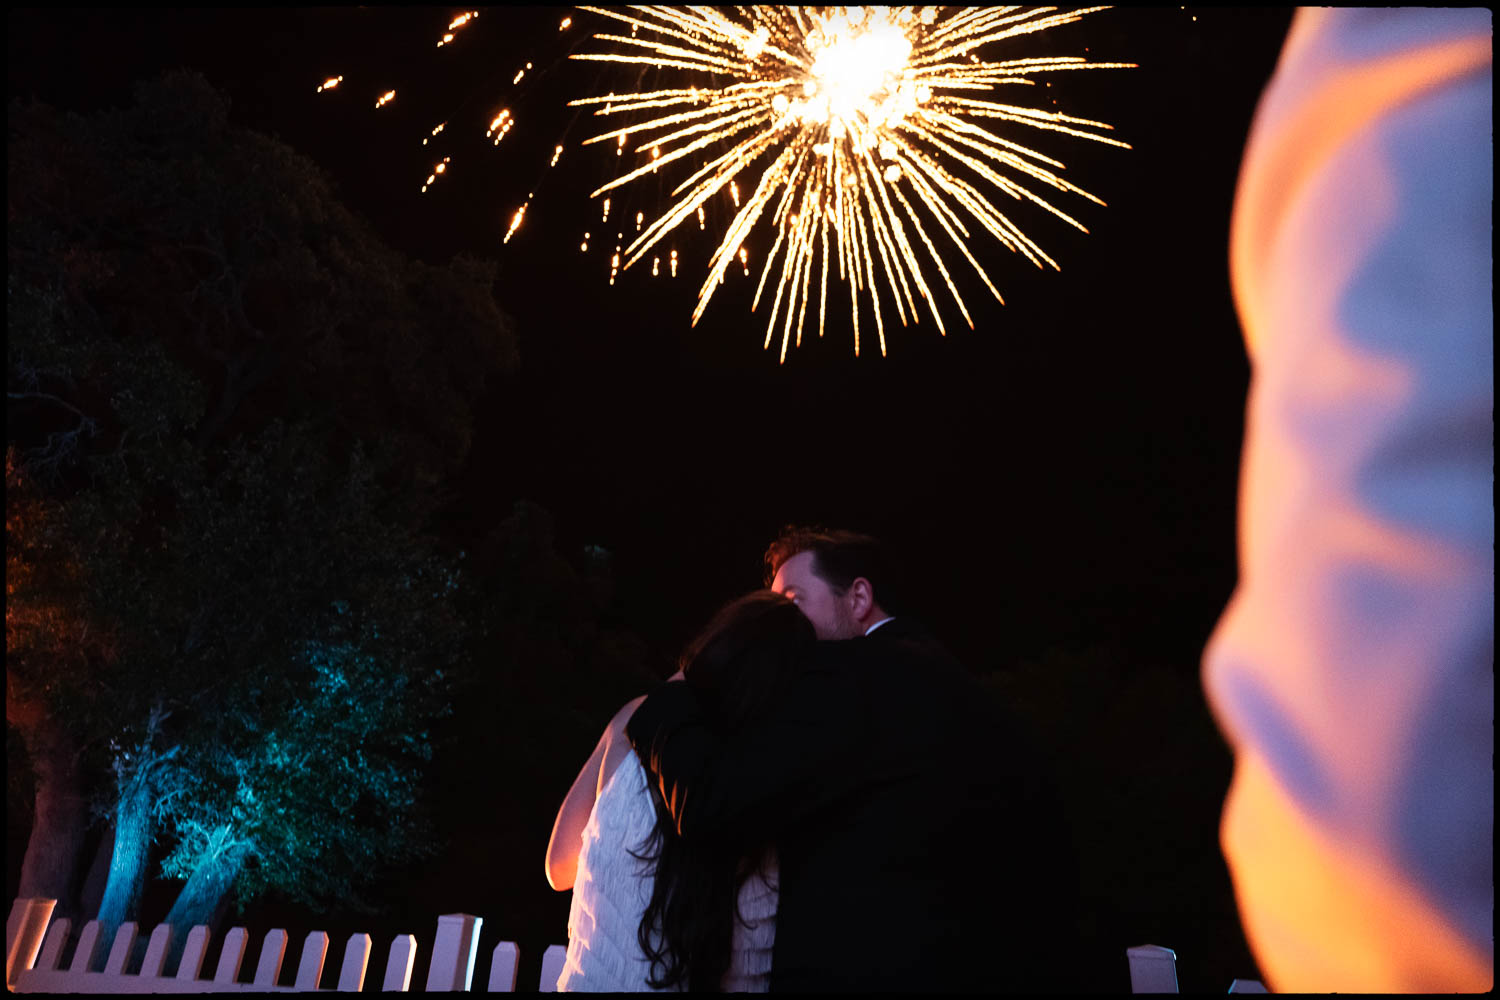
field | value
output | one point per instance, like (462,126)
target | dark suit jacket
(920,845)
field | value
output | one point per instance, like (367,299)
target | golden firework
(842,120)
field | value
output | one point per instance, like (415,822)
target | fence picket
(119,955)
(57,938)
(271,954)
(193,954)
(1152,968)
(453,953)
(504,964)
(232,955)
(552,966)
(398,966)
(156,951)
(23,933)
(356,960)
(88,947)
(310,966)
(15,920)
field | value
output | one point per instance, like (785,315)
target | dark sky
(1061,477)
(1067,466)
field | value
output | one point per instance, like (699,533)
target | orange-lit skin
(861,112)
(1302,879)
(563,847)
(573,815)
(1353,671)
(1305,144)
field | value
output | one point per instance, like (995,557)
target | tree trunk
(131,854)
(60,820)
(91,896)
(206,889)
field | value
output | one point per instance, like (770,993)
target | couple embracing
(821,799)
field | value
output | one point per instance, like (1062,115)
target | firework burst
(841,122)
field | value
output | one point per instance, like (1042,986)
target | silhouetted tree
(1141,771)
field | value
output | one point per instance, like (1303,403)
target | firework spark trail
(455,25)
(863,114)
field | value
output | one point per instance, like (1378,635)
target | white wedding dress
(612,889)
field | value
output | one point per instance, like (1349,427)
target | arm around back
(766,777)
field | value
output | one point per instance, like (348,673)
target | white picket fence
(34,946)
(1153,969)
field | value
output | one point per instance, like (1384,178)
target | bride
(650,912)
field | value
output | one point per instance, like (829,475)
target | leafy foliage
(230,252)
(341,748)
(229,407)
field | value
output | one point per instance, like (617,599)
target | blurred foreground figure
(1353,669)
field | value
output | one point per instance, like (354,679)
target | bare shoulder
(615,741)
(626,711)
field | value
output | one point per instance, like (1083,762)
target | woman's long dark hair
(736,666)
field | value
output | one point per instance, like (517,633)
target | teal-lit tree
(315,638)
(310,788)
(229,411)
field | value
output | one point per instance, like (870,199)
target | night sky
(1061,476)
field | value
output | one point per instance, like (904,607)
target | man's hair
(839,558)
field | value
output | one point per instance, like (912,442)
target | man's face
(823,606)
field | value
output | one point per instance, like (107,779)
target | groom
(920,847)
